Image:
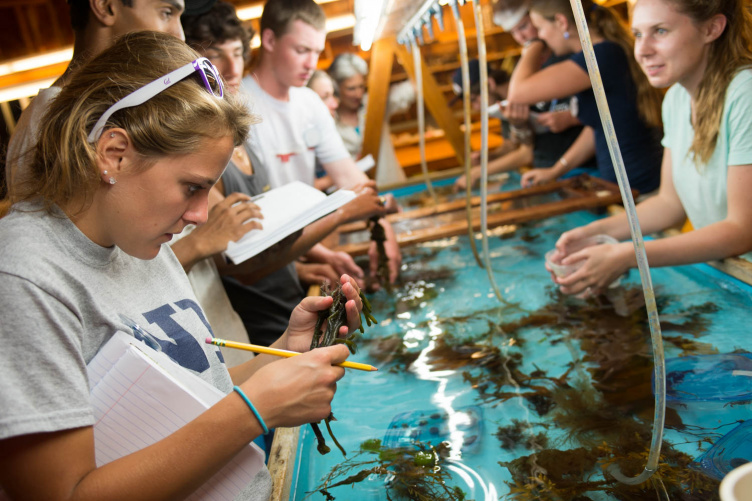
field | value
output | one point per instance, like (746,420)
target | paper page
(137,403)
(286,210)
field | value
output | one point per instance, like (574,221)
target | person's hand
(343,264)
(315,273)
(365,205)
(461,183)
(602,264)
(297,390)
(534,177)
(517,114)
(557,121)
(303,318)
(228,220)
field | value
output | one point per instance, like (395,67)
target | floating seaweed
(382,268)
(415,473)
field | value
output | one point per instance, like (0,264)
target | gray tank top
(266,305)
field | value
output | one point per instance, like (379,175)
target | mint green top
(702,188)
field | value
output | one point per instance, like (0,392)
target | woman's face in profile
(351,92)
(324,88)
(149,205)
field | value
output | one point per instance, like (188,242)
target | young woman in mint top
(700,50)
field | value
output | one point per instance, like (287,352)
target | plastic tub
(730,452)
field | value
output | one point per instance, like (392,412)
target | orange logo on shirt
(284,157)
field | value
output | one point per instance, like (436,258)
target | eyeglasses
(209,75)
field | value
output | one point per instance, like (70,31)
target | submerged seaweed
(415,473)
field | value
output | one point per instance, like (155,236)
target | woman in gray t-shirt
(118,170)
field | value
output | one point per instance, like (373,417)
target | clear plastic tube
(639,246)
(465,70)
(484,144)
(421,119)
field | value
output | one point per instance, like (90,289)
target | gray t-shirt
(60,299)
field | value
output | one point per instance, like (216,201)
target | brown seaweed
(415,473)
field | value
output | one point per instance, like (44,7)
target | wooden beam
(585,193)
(435,103)
(382,58)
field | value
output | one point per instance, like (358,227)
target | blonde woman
(701,50)
(118,170)
(634,104)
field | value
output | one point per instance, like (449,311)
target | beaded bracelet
(253,409)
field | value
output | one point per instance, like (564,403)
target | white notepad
(140,396)
(286,210)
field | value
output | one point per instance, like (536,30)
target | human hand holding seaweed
(330,329)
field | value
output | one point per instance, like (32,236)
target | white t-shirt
(26,134)
(292,134)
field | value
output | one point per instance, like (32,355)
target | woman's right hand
(228,220)
(462,182)
(534,177)
(297,390)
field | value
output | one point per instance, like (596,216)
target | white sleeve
(330,147)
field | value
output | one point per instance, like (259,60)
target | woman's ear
(714,27)
(115,154)
(561,21)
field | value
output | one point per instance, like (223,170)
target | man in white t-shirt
(297,128)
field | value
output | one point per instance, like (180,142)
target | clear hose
(477,11)
(639,246)
(421,119)
(465,70)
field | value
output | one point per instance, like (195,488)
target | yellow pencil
(280,353)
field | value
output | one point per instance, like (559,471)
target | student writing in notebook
(264,303)
(117,171)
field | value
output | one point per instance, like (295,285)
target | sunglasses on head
(209,75)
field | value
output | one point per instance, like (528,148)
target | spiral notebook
(140,396)
(286,210)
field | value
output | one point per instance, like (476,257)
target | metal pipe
(417,64)
(465,71)
(639,246)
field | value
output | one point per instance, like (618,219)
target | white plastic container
(562,270)
(737,485)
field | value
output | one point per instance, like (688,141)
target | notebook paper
(286,210)
(141,396)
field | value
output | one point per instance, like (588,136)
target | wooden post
(379,73)
(435,103)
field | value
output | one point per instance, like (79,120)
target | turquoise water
(566,380)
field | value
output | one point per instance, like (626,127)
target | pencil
(280,353)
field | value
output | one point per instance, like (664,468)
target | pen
(280,353)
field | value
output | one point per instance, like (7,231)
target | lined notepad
(141,396)
(286,210)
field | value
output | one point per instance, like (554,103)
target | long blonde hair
(728,54)
(609,25)
(63,164)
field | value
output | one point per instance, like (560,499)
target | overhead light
(254,11)
(338,23)
(24,90)
(38,61)
(369,14)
